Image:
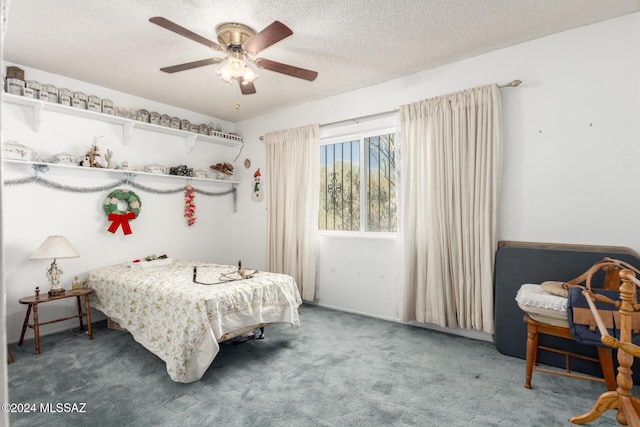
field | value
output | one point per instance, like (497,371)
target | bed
(181,321)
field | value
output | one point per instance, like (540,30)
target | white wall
(572,133)
(32,212)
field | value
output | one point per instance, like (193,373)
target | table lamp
(55,247)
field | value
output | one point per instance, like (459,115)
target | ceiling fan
(238,42)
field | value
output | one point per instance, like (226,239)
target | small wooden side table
(33,301)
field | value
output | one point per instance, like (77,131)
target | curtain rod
(512,83)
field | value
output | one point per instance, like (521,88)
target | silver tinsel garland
(125,181)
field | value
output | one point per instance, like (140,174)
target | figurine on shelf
(224,169)
(108,158)
(181,170)
(93,154)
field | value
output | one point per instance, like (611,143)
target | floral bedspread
(181,321)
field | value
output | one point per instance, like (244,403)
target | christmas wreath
(118,217)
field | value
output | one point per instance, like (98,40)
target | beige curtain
(292,172)
(451,157)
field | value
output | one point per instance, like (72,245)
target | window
(358,184)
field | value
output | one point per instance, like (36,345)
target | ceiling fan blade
(190,65)
(247,88)
(171,26)
(273,33)
(279,67)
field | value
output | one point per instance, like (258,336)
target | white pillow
(534,296)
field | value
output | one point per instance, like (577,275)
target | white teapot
(14,151)
(154,168)
(63,159)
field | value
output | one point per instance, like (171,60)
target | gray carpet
(337,369)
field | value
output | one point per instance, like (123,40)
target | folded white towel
(150,264)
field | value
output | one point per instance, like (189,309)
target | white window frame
(364,164)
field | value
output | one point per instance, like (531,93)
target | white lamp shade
(55,247)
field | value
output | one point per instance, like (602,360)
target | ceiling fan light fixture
(225,72)
(226,77)
(236,63)
(236,68)
(248,76)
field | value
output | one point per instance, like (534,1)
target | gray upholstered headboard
(523,262)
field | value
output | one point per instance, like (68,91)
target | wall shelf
(128,125)
(44,166)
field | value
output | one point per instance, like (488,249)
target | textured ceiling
(352,44)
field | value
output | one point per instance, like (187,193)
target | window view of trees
(358,195)
(340,186)
(381,183)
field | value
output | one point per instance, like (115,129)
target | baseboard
(467,333)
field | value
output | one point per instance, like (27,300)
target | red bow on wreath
(121,220)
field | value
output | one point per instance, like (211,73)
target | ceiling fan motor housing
(234,35)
